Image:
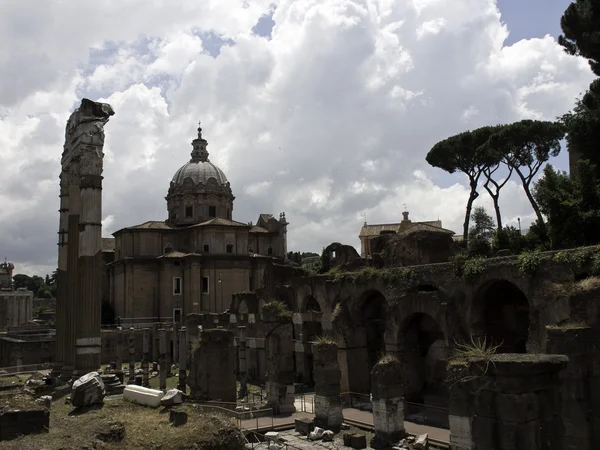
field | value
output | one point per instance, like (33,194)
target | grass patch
(144,428)
(588,284)
(578,325)
(476,348)
(323,340)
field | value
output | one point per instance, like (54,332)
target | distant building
(406,226)
(15,305)
(198,258)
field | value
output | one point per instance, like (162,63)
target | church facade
(194,261)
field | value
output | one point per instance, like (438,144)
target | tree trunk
(534,204)
(495,199)
(472,196)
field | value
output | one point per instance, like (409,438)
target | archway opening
(372,313)
(506,317)
(425,358)
(311,304)
(243,308)
(311,330)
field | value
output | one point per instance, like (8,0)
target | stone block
(18,423)
(177,418)
(516,407)
(304,425)
(355,440)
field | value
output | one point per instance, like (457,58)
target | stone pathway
(296,441)
(365,417)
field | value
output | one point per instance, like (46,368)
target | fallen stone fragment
(421,442)
(172,397)
(46,400)
(327,436)
(88,390)
(316,434)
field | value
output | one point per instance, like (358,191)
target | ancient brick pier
(327,374)
(388,403)
(508,402)
(212,375)
(580,384)
(80,266)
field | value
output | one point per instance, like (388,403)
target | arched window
(270,250)
(229,248)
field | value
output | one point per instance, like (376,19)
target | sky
(322,109)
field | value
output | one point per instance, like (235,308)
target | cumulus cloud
(328,119)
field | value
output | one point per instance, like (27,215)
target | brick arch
(287,295)
(311,303)
(434,304)
(251,302)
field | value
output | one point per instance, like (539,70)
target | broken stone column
(279,348)
(175,335)
(327,375)
(162,358)
(155,327)
(242,365)
(119,351)
(181,385)
(80,266)
(212,374)
(131,341)
(145,354)
(514,400)
(388,402)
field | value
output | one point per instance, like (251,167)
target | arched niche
(424,355)
(504,310)
(371,316)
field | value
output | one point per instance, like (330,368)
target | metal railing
(305,403)
(435,416)
(356,400)
(14,370)
(136,322)
(261,418)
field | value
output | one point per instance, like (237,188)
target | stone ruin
(328,405)
(279,349)
(388,403)
(80,264)
(212,373)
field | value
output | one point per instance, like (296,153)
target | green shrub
(458,263)
(582,255)
(561,258)
(473,269)
(596,264)
(528,262)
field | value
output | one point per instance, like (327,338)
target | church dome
(199,190)
(199,169)
(199,172)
